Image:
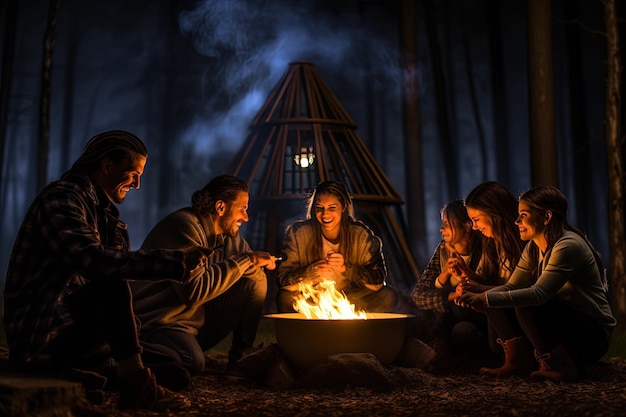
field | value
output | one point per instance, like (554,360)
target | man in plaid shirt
(68,304)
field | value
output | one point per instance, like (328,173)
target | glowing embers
(323,301)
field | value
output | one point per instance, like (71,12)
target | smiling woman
(492,208)
(331,245)
(558,292)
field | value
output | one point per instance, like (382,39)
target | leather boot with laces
(518,359)
(555,366)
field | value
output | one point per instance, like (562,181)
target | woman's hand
(330,267)
(476,301)
(469,285)
(457,266)
(442,279)
(335,261)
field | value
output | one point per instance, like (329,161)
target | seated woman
(559,294)
(492,209)
(462,328)
(331,245)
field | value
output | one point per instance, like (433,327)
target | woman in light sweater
(331,245)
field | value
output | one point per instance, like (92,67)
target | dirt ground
(455,391)
(451,387)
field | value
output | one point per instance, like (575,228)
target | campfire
(326,323)
(323,301)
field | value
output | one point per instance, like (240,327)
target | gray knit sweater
(569,272)
(174,305)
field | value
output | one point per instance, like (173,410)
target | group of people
(510,276)
(80,305)
(530,286)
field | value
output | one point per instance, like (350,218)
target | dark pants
(468,330)
(559,324)
(238,310)
(104,327)
(173,346)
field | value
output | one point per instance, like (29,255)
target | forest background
(445,95)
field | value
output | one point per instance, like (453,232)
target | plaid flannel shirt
(425,295)
(68,236)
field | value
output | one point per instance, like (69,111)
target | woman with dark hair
(492,208)
(461,327)
(331,245)
(558,292)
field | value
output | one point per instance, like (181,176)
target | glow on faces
(235,214)
(480,221)
(530,223)
(328,212)
(452,234)
(119,178)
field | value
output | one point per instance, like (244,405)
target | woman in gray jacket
(331,245)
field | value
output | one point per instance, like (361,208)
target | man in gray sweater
(179,321)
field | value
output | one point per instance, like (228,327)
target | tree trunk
(44,123)
(412,131)
(579,129)
(5,81)
(617,229)
(449,152)
(500,116)
(473,95)
(541,94)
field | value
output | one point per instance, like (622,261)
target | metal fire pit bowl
(306,341)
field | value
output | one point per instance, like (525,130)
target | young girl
(461,327)
(558,292)
(331,245)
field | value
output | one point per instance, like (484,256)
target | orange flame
(323,301)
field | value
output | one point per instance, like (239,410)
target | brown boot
(555,366)
(518,359)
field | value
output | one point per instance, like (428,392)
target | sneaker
(143,392)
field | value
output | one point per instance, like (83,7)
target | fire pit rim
(369,316)
(305,342)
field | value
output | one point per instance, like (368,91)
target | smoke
(251,44)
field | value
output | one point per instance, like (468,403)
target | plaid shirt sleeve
(59,245)
(425,295)
(79,241)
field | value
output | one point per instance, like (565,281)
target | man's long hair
(223,187)
(117,145)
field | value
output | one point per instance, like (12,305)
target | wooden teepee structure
(303,121)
